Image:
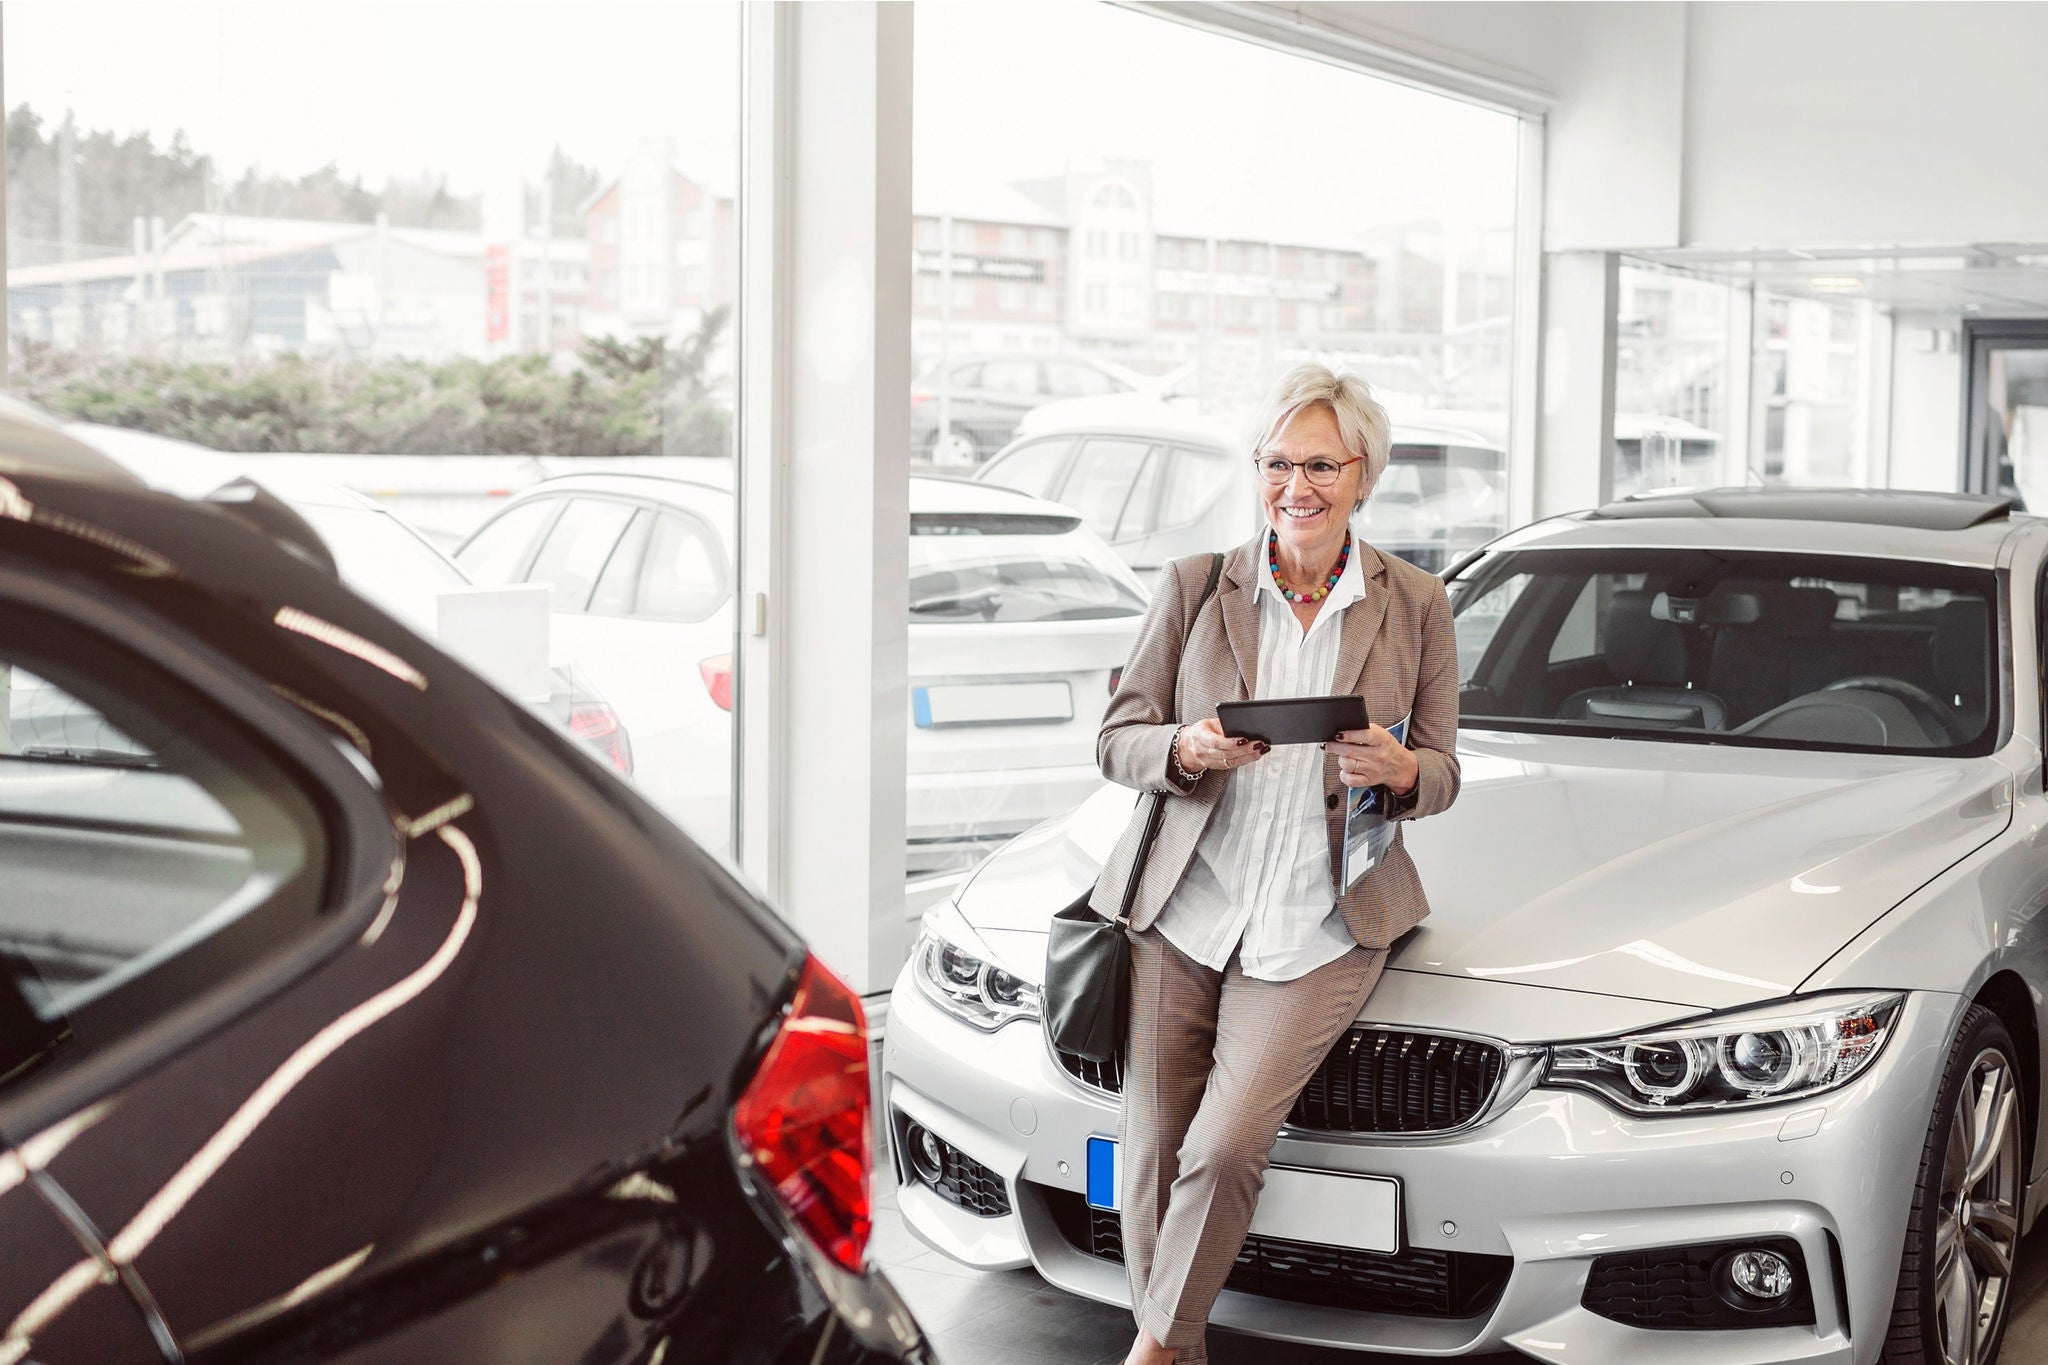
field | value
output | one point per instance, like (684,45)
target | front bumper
(1556,1180)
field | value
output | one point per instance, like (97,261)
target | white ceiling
(1979,279)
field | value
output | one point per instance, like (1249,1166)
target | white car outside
(1018,619)
(1159,482)
(376,553)
(1724,1040)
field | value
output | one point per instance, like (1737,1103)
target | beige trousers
(1214,1061)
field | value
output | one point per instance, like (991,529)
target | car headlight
(957,972)
(1785,1051)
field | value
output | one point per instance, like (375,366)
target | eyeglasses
(1322,471)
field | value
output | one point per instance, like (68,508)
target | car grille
(1374,1081)
(1410,1283)
(1674,1288)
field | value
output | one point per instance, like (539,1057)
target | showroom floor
(1014,1318)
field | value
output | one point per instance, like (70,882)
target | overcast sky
(1004,91)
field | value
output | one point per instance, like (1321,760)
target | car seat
(1773,642)
(1648,654)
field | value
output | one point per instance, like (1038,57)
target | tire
(1956,1277)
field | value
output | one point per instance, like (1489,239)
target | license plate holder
(945,706)
(1330,1208)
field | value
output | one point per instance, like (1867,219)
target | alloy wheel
(1977,1223)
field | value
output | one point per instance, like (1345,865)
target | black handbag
(1086,995)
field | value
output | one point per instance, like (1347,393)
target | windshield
(971,577)
(1780,650)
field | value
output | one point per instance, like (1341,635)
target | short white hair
(1361,421)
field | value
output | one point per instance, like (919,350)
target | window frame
(569,498)
(551,503)
(359,839)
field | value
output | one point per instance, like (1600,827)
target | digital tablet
(1293,720)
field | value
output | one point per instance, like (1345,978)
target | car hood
(1693,875)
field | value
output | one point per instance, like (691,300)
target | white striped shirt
(1259,881)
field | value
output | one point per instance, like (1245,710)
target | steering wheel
(1924,704)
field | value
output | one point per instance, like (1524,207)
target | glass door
(2005,437)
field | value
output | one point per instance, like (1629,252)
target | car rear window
(1782,650)
(1014,568)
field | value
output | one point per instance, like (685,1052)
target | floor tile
(943,1303)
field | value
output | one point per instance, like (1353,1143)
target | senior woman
(1247,962)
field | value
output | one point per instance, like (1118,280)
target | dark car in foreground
(355,1013)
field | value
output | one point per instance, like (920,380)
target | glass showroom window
(1670,381)
(1813,389)
(517,260)
(1203,213)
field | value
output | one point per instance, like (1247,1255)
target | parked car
(379,555)
(1159,482)
(1019,619)
(1723,1042)
(985,395)
(362,1015)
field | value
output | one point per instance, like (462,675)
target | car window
(1013,378)
(615,587)
(1141,509)
(1068,380)
(1195,477)
(683,579)
(1099,484)
(966,376)
(152,849)
(494,554)
(957,575)
(1583,633)
(578,548)
(1478,619)
(1031,467)
(1775,649)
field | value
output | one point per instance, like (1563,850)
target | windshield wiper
(82,754)
(987,601)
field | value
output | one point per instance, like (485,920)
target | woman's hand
(1374,758)
(1203,747)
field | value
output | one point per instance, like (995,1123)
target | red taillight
(598,726)
(1116,675)
(717,674)
(804,1117)
(919,398)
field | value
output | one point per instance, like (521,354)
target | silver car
(1723,1042)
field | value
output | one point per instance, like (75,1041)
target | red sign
(498,292)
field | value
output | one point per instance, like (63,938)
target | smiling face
(1311,521)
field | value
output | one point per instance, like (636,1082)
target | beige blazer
(1397,651)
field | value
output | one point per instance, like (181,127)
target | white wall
(1926,405)
(1813,123)
(1615,78)
(1781,123)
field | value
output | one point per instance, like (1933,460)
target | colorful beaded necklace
(1299,598)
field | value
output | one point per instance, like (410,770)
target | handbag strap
(1158,811)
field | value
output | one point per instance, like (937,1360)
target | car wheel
(952,450)
(1964,1230)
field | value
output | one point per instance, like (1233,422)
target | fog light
(923,1148)
(1762,1276)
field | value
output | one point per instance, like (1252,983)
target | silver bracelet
(1186,778)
